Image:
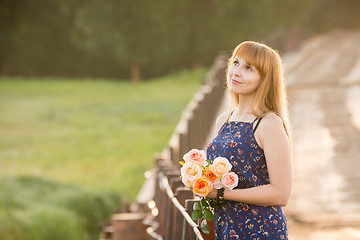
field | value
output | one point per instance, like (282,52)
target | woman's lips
(235,82)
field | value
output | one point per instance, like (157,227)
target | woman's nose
(237,72)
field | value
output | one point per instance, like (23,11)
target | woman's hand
(212,193)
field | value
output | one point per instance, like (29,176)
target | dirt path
(324,96)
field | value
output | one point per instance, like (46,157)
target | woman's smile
(233,81)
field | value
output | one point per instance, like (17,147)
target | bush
(50,222)
(42,209)
(91,207)
(10,227)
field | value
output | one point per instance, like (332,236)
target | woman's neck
(245,105)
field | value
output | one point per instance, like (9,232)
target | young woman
(254,135)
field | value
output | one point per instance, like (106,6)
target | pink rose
(190,172)
(221,166)
(230,180)
(196,156)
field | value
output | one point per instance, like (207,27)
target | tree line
(140,38)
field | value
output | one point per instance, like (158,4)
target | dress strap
(257,124)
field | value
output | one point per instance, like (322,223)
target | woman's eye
(248,68)
(236,62)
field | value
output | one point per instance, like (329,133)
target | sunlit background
(91,90)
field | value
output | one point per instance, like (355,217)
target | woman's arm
(272,138)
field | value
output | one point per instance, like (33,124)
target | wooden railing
(173,201)
(168,215)
(198,118)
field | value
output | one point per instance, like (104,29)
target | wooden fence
(168,215)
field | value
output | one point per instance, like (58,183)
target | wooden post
(182,194)
(211,235)
(190,136)
(162,203)
(129,226)
(203,119)
(161,165)
(175,154)
(162,213)
(174,180)
(188,232)
(201,122)
(107,232)
(183,143)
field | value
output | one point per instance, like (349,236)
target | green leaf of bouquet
(196,215)
(208,215)
(204,227)
(204,203)
(197,206)
(208,163)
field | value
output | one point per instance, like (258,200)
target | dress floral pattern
(234,220)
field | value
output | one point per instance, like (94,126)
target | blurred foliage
(35,208)
(69,148)
(94,133)
(115,38)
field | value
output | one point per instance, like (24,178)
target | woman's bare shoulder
(272,119)
(223,117)
(271,126)
(221,120)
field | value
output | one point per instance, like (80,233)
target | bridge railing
(168,215)
(199,116)
(173,201)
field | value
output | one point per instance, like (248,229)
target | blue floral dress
(234,220)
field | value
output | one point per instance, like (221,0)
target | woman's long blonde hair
(271,93)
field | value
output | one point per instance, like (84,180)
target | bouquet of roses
(201,177)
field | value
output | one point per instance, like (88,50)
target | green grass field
(95,135)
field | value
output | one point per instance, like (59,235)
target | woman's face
(243,78)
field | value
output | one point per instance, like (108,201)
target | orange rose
(221,166)
(190,172)
(230,180)
(209,174)
(196,156)
(202,186)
